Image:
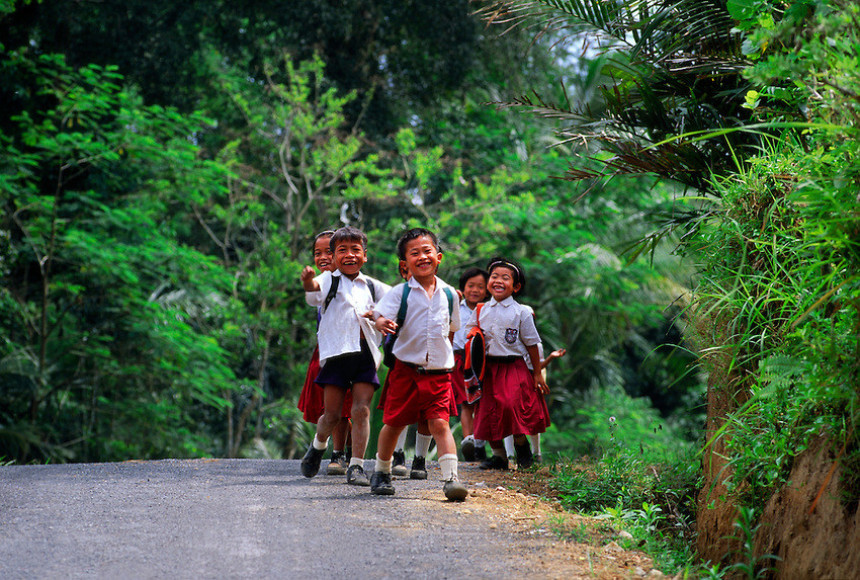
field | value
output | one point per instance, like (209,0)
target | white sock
(448,465)
(535,443)
(401,440)
(383,466)
(509,446)
(468,438)
(320,445)
(357,461)
(422,444)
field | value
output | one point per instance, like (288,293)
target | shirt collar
(506,302)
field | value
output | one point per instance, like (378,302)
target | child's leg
(422,448)
(535,444)
(362,393)
(467,419)
(499,459)
(441,431)
(523,450)
(380,482)
(339,435)
(398,468)
(333,401)
(509,445)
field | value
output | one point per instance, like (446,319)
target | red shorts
(412,397)
(312,398)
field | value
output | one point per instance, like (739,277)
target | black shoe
(419,469)
(311,461)
(380,484)
(455,491)
(398,464)
(355,475)
(495,462)
(480,453)
(468,449)
(337,465)
(524,455)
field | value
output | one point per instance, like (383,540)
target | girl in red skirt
(513,395)
(311,402)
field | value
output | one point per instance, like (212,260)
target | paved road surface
(223,518)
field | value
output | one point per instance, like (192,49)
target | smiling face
(501,283)
(422,257)
(349,257)
(474,290)
(323,257)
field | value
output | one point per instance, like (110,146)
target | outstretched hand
(308,279)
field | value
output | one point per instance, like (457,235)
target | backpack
(332,291)
(388,357)
(475,360)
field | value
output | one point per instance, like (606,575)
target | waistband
(425,371)
(461,351)
(504,359)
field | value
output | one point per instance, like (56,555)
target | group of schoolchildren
(424,322)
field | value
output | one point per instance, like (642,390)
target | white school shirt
(508,327)
(423,338)
(342,323)
(460,335)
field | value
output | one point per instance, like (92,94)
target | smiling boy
(348,345)
(420,380)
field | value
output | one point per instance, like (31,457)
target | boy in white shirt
(419,385)
(348,345)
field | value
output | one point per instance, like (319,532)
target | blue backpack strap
(450,296)
(401,313)
(335,282)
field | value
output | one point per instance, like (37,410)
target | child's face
(322,254)
(422,257)
(501,283)
(349,257)
(475,290)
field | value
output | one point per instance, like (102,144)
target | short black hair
(471,273)
(519,274)
(411,235)
(348,234)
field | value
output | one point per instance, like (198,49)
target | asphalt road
(222,518)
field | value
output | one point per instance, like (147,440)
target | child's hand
(557,353)
(308,282)
(385,326)
(540,383)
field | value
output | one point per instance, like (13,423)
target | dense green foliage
(753,105)
(165,166)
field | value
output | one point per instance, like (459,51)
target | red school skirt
(457,380)
(312,398)
(510,404)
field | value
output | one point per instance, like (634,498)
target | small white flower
(612,419)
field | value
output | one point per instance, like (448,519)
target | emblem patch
(511,335)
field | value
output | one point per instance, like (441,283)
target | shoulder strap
(450,301)
(401,313)
(332,291)
(478,314)
(372,289)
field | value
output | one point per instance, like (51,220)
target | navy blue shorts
(345,370)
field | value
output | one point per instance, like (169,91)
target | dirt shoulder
(556,543)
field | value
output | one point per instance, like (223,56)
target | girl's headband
(506,264)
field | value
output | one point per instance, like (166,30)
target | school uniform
(419,384)
(348,343)
(312,398)
(459,343)
(510,404)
